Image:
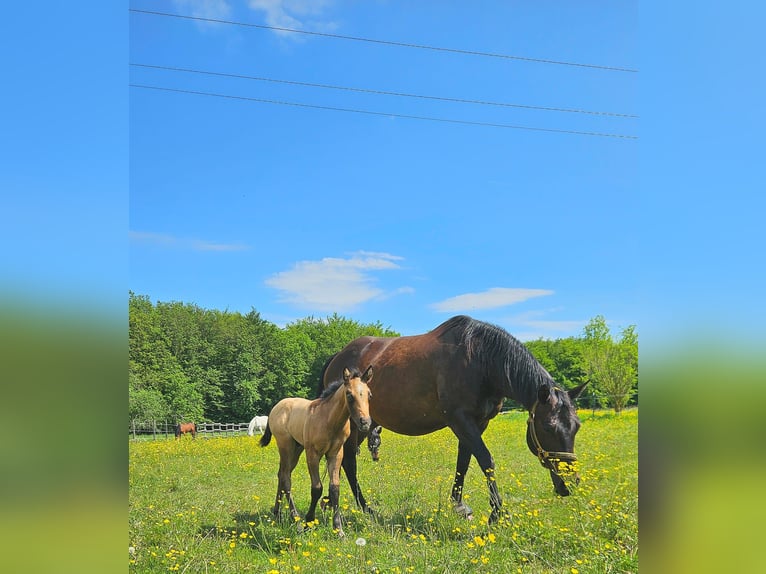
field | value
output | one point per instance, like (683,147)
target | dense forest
(189,363)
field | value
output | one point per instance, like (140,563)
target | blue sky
(296,211)
(215,201)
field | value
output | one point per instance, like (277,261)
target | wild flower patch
(204,506)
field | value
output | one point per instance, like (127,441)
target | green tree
(611,366)
(325,337)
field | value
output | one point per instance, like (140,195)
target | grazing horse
(183,428)
(321,427)
(373,442)
(457,376)
(257,424)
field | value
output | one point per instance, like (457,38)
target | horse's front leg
(461,468)
(349,467)
(468,433)
(333,469)
(312,460)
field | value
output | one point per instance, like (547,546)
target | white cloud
(170,241)
(296,14)
(489,299)
(531,325)
(334,284)
(214,9)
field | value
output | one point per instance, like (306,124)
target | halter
(547,457)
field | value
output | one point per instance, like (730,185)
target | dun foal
(320,427)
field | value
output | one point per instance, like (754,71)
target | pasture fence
(161,430)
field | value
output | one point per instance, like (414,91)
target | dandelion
(360,541)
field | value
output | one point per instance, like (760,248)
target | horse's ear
(367,376)
(574,393)
(543,394)
(346,374)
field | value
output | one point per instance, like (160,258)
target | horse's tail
(320,387)
(266,438)
(194,430)
(178,430)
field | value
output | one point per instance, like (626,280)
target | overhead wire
(384,114)
(381,92)
(384,42)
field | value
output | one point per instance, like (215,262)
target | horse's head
(373,442)
(358,397)
(551,431)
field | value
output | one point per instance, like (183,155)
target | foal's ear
(367,376)
(346,374)
(574,393)
(543,394)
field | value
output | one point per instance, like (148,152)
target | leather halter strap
(547,457)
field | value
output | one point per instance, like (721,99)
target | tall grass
(204,506)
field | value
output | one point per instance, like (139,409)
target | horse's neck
(523,384)
(335,408)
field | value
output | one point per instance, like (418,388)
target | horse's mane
(494,347)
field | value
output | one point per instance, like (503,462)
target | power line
(384,42)
(382,92)
(384,114)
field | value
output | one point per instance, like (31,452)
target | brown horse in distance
(321,427)
(457,376)
(183,428)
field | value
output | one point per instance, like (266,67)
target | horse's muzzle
(364,424)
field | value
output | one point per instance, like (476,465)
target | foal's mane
(330,390)
(500,353)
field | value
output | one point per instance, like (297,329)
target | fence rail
(163,429)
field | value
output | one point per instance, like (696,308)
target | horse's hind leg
(461,468)
(288,459)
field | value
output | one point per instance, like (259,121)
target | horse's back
(410,373)
(287,418)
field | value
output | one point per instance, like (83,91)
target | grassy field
(204,506)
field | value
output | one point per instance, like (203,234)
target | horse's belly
(412,423)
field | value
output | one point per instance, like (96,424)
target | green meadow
(204,506)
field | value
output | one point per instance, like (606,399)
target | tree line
(190,363)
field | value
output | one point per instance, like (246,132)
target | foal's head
(373,442)
(358,397)
(551,431)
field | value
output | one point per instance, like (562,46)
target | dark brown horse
(321,427)
(457,376)
(183,428)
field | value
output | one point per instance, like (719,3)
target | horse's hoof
(464,510)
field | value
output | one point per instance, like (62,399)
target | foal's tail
(266,438)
